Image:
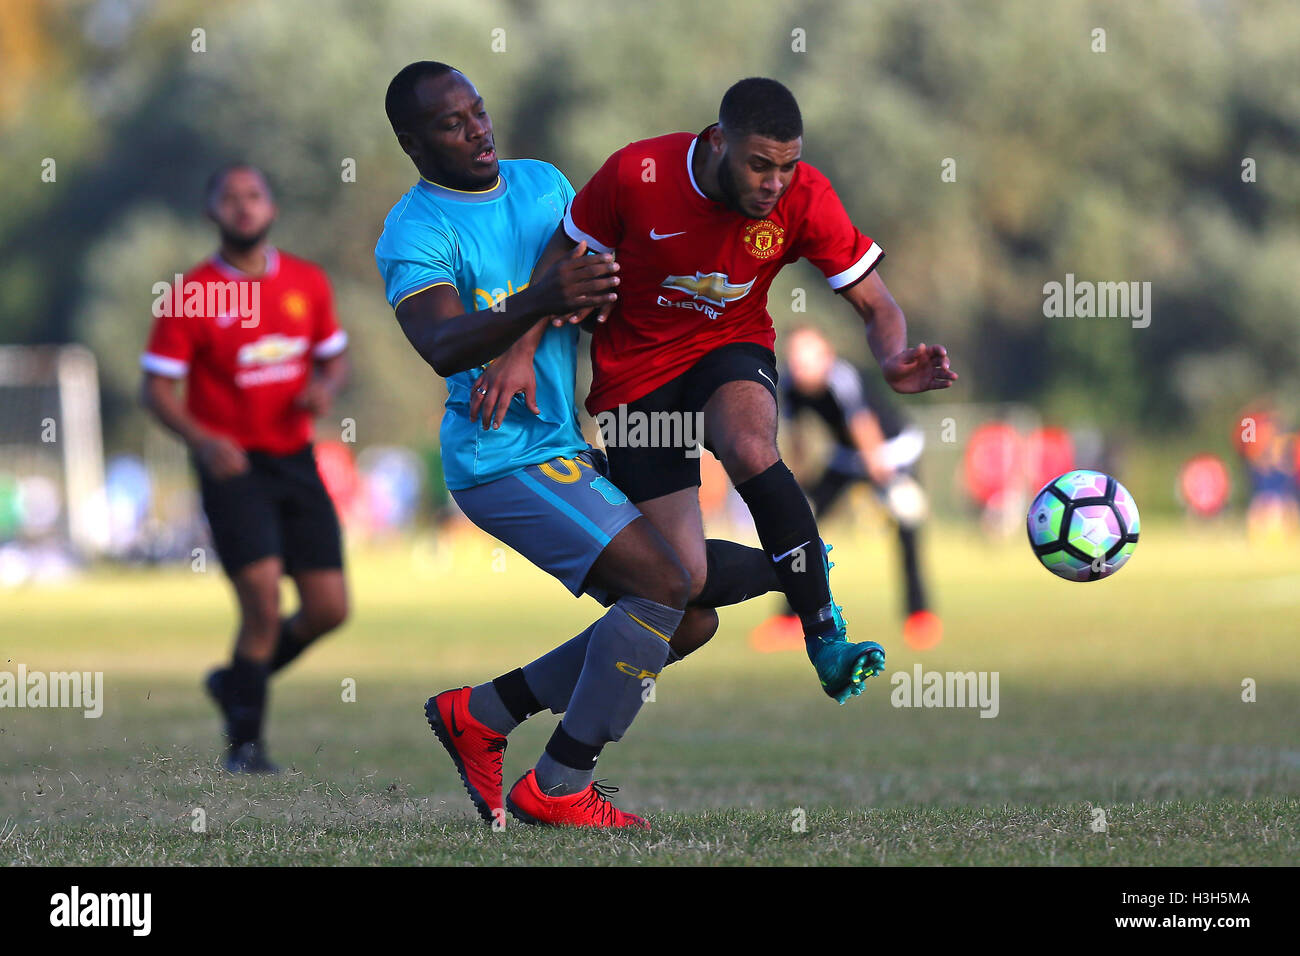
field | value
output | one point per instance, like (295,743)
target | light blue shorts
(559,515)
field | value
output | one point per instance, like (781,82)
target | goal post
(51,448)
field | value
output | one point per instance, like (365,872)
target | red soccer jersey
(246,347)
(694,275)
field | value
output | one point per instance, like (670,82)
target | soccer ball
(1083,525)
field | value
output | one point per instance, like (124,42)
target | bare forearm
(452,341)
(906,370)
(886,332)
(160,398)
(476,337)
(886,327)
(559,246)
(532,338)
(333,373)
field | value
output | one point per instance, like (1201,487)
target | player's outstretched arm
(452,340)
(906,370)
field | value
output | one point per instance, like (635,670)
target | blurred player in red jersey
(253,334)
(700,225)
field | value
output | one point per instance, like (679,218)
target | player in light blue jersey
(482,245)
(459,258)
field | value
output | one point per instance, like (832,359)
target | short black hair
(399,102)
(218,179)
(757,105)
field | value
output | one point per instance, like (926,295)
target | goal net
(53,509)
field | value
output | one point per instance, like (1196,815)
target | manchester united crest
(764,239)
(294,305)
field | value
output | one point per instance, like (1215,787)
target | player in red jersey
(253,334)
(700,225)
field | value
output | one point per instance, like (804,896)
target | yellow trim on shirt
(468,192)
(418,291)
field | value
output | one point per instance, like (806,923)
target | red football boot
(590,808)
(476,749)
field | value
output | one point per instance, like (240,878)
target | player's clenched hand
(919,369)
(315,398)
(500,382)
(578,283)
(221,457)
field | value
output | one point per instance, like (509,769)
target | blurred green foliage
(1123,165)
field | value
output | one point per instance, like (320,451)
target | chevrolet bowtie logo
(270,349)
(713,287)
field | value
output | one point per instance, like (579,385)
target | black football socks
(246,696)
(287,647)
(505,702)
(736,573)
(626,651)
(788,532)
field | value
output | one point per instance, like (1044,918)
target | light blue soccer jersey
(485,244)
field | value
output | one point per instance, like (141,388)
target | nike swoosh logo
(791,551)
(766,376)
(457,732)
(665,235)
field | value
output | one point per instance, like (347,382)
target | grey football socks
(553,676)
(546,683)
(487,707)
(626,650)
(549,680)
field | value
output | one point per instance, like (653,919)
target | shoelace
(597,798)
(497,745)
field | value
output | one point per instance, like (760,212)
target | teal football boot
(843,668)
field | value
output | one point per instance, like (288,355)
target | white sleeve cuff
(860,268)
(577,235)
(164,366)
(332,346)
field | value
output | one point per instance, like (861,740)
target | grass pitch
(1121,735)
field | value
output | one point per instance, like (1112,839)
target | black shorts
(278,507)
(645,469)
